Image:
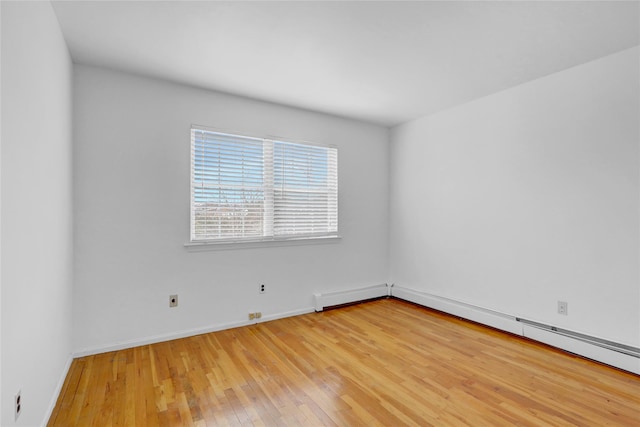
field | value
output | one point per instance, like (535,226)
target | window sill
(254,244)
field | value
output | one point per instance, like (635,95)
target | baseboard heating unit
(611,353)
(610,345)
(502,321)
(615,354)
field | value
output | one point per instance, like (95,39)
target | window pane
(305,189)
(227,186)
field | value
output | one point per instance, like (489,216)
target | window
(248,189)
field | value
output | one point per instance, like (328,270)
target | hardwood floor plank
(382,363)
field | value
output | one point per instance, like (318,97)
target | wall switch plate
(173,300)
(563,308)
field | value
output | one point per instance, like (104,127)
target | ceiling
(381,62)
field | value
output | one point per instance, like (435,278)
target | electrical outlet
(252,316)
(262,288)
(173,300)
(18,404)
(258,315)
(563,308)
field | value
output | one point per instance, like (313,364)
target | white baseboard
(509,323)
(321,301)
(504,322)
(292,313)
(58,389)
(89,351)
(329,299)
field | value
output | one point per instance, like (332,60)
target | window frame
(264,240)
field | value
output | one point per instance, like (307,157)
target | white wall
(1,399)
(526,197)
(36,209)
(131,164)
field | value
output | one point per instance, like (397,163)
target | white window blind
(245,188)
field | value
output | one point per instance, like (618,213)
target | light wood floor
(384,362)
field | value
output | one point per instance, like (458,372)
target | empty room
(320,213)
